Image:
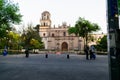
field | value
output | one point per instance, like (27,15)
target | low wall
(52,52)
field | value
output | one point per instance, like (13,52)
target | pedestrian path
(55,67)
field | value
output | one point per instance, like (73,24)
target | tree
(31,38)
(72,30)
(37,27)
(83,28)
(9,14)
(11,40)
(102,43)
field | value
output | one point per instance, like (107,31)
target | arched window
(47,17)
(44,23)
(44,34)
(53,35)
(64,33)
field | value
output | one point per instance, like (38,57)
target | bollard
(68,56)
(46,55)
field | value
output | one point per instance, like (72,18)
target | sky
(64,11)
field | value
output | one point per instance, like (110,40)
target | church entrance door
(64,46)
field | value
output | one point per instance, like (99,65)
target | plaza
(55,67)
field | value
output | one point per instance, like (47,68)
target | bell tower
(45,25)
(45,20)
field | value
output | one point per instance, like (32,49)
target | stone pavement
(55,67)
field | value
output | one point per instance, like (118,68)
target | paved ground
(55,67)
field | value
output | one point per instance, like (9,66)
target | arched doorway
(64,46)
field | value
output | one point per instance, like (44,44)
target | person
(5,52)
(68,56)
(46,55)
(87,52)
(92,52)
(27,53)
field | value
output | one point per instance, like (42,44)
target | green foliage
(14,40)
(37,27)
(83,28)
(31,38)
(11,40)
(119,6)
(102,44)
(72,30)
(9,14)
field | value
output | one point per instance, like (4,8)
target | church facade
(57,38)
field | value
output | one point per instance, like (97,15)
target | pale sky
(64,11)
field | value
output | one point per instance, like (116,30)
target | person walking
(27,53)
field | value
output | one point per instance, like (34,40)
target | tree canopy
(9,14)
(83,27)
(12,40)
(31,38)
(72,30)
(102,44)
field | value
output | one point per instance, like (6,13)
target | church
(57,38)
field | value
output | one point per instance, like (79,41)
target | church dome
(45,12)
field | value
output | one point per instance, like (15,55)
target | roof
(45,12)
